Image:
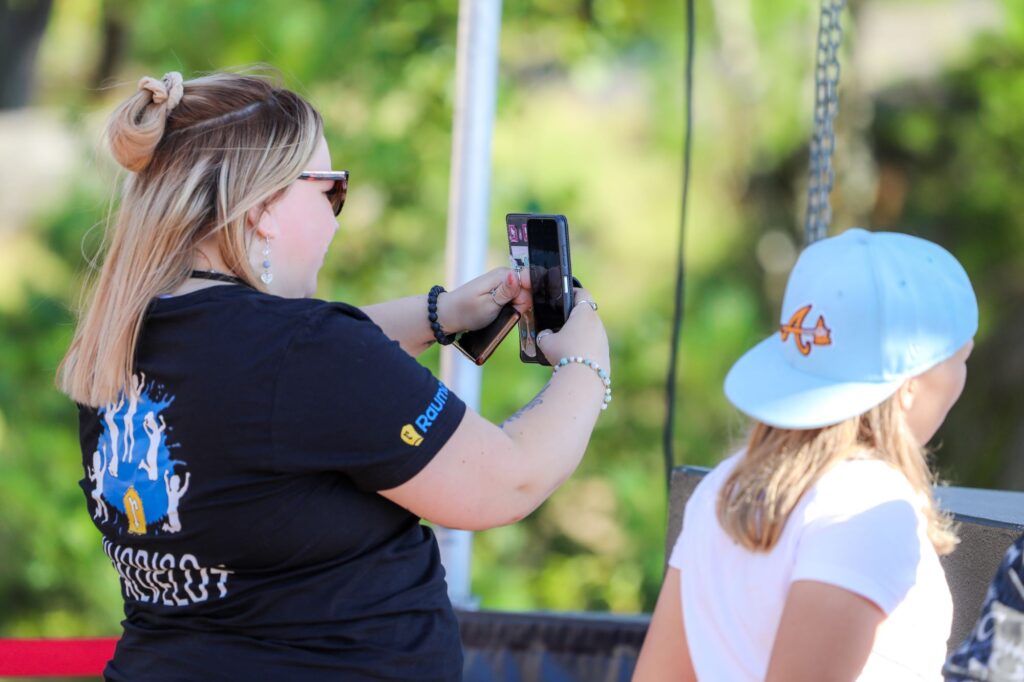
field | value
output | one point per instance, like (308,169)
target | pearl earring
(267,277)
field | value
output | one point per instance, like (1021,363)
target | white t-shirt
(859,528)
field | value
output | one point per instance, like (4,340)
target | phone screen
(546,275)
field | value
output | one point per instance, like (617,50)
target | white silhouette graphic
(149,465)
(175,491)
(95,474)
(129,426)
(108,416)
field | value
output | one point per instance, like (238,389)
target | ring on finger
(592,304)
(493,298)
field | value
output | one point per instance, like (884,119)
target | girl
(813,554)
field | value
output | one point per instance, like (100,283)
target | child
(813,554)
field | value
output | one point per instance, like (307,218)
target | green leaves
(588,124)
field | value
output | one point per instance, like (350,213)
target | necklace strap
(218,277)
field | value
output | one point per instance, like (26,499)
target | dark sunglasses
(337,192)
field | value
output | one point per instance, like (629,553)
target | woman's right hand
(582,335)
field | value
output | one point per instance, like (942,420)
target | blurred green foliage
(589,123)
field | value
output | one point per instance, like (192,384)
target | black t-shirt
(234,485)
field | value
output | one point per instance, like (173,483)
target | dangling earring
(267,277)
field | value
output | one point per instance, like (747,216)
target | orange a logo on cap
(819,334)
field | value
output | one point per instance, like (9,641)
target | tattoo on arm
(537,400)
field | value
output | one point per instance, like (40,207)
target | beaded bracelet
(605,379)
(442,338)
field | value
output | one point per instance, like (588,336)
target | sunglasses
(338,190)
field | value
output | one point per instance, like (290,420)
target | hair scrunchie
(167,91)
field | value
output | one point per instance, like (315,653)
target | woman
(258,461)
(813,554)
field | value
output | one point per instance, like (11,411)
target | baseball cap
(863,312)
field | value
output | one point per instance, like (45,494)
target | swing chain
(821,175)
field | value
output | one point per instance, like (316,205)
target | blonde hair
(202,154)
(780,465)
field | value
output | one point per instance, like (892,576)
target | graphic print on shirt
(132,469)
(413,434)
(994,651)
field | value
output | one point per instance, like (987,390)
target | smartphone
(547,257)
(479,344)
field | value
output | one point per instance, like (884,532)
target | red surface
(46,657)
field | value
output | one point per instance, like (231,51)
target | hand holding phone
(539,249)
(582,335)
(490,305)
(540,243)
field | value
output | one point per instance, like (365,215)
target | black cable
(677,316)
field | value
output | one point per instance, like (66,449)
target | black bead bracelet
(442,338)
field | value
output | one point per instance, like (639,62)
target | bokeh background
(589,123)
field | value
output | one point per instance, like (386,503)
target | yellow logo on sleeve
(410,435)
(413,433)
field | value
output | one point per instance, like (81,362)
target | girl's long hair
(780,465)
(234,142)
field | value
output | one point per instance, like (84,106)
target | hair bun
(136,127)
(169,89)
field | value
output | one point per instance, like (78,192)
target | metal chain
(826,106)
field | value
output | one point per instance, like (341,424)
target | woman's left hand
(476,303)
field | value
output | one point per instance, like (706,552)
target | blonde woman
(270,527)
(813,554)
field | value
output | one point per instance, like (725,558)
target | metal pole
(476,75)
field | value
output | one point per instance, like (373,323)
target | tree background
(589,123)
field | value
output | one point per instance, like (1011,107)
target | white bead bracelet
(603,375)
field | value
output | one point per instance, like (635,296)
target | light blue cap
(863,312)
